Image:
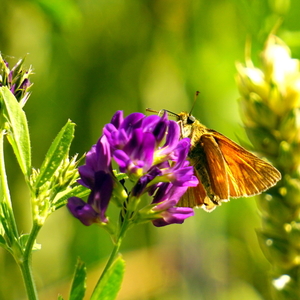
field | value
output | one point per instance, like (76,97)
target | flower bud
(290,126)
(251,80)
(289,155)
(16,79)
(256,113)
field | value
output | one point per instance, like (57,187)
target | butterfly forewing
(216,167)
(247,174)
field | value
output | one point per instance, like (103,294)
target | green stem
(25,264)
(117,245)
(111,258)
(28,280)
(22,258)
(31,240)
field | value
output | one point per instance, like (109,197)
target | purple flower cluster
(16,79)
(149,151)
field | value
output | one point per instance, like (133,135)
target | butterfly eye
(191,119)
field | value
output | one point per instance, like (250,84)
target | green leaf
(58,151)
(7,223)
(18,134)
(79,282)
(60,297)
(110,284)
(78,191)
(120,176)
(23,242)
(2,241)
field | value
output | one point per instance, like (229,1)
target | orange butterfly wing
(211,172)
(216,169)
(232,170)
(248,175)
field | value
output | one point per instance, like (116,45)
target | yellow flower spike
(282,74)
(276,101)
(293,92)
(290,126)
(285,156)
(277,61)
(255,113)
(263,140)
(251,80)
(272,123)
(292,191)
(295,234)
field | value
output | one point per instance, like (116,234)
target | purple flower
(136,142)
(97,159)
(167,196)
(172,214)
(96,175)
(82,211)
(137,154)
(149,151)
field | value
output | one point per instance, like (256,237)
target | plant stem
(111,258)
(117,245)
(31,240)
(25,267)
(25,264)
(22,257)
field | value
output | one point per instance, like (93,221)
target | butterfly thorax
(191,128)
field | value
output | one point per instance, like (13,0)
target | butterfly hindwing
(210,169)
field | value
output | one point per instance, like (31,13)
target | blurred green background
(93,57)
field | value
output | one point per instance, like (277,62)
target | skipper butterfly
(224,169)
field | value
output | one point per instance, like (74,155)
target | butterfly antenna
(152,110)
(158,112)
(195,98)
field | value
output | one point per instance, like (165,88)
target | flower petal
(173,135)
(132,121)
(98,158)
(122,159)
(82,211)
(101,193)
(117,119)
(174,215)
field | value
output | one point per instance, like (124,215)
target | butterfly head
(186,118)
(190,119)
